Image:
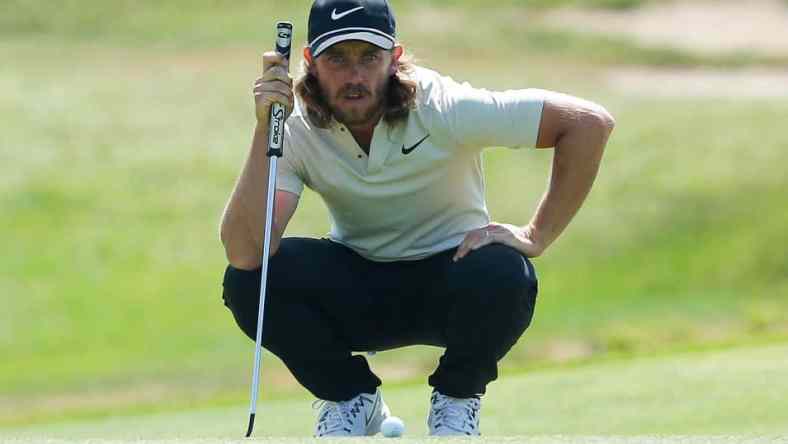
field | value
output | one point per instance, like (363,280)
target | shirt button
(359,156)
(342,128)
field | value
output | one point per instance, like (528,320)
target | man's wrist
(538,236)
(261,128)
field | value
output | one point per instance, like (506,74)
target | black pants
(324,301)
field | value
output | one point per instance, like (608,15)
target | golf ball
(392,427)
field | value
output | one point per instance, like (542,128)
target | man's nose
(356,73)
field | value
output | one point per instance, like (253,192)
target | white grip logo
(283,38)
(276,126)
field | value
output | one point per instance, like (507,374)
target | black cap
(334,21)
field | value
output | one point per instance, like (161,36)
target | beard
(366,110)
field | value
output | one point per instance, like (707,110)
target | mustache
(353,89)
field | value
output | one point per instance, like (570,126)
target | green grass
(510,29)
(124,128)
(552,439)
(118,163)
(148,19)
(697,397)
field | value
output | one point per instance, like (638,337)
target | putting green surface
(124,125)
(725,396)
(556,439)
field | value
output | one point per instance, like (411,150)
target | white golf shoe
(453,416)
(359,416)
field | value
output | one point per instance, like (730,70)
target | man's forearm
(245,211)
(575,165)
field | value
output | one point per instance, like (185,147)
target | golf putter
(276,133)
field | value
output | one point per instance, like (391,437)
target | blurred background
(124,124)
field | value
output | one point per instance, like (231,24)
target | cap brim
(379,40)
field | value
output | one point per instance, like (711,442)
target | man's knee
(241,295)
(498,266)
(516,282)
(502,283)
(514,270)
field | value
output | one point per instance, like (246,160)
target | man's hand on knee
(522,239)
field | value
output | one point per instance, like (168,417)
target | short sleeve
(480,118)
(289,171)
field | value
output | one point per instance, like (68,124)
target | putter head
(251,425)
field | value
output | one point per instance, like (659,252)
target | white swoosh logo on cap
(335,16)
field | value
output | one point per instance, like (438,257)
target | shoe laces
(338,416)
(458,414)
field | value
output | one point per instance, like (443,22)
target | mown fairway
(123,126)
(738,394)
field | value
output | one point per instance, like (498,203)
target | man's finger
(273,58)
(275,97)
(471,239)
(277,87)
(277,72)
(486,238)
(274,85)
(463,248)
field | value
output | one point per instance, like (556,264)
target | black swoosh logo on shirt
(408,150)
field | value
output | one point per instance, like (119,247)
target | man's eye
(370,58)
(336,59)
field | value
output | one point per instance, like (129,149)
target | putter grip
(276,121)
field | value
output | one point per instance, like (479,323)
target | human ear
(396,53)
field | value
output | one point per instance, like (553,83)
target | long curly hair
(399,99)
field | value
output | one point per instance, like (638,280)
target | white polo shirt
(422,186)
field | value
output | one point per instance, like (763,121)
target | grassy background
(124,125)
(717,397)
